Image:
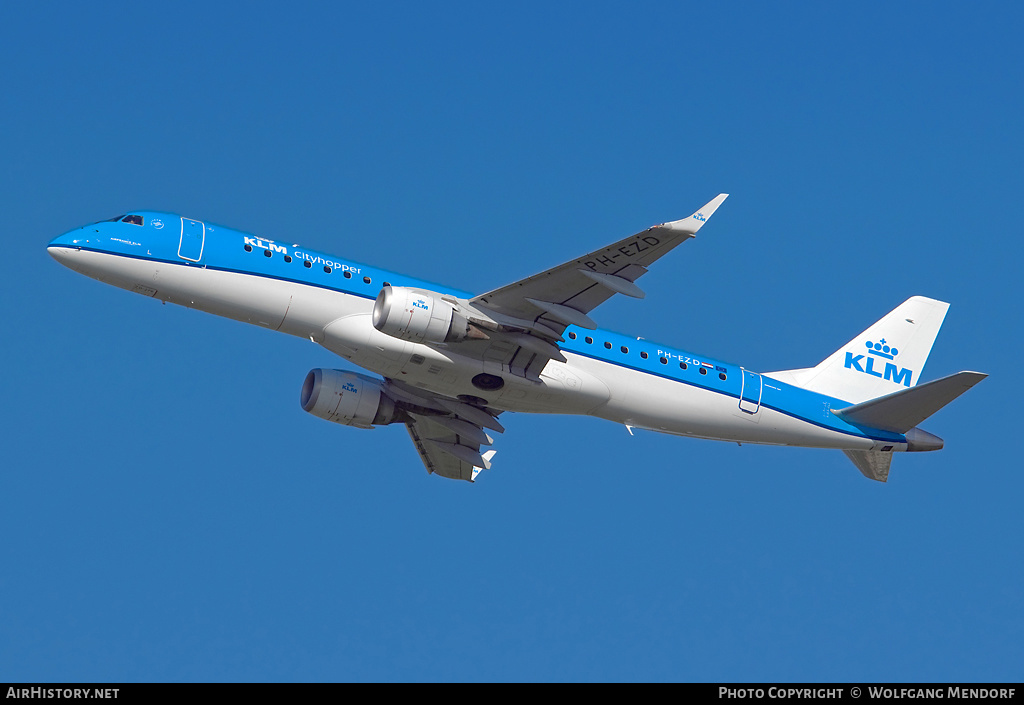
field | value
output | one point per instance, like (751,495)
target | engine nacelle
(417,316)
(347,398)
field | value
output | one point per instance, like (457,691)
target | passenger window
(643,355)
(268,253)
(572,336)
(327,269)
(348,274)
(608,346)
(287,258)
(305,263)
(703,370)
(366,280)
(682,365)
(721,376)
(588,340)
(248,248)
(624,349)
(663,360)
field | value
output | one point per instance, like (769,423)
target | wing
(533,312)
(447,433)
(564,294)
(445,452)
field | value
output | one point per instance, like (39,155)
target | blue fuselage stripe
(725,393)
(224,252)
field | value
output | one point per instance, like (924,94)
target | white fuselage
(341,323)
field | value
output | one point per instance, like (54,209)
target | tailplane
(901,411)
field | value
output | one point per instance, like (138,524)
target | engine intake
(417,316)
(347,398)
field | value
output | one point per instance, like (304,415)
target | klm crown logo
(699,216)
(881,349)
(420,303)
(349,387)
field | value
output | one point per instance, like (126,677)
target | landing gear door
(750,393)
(193,237)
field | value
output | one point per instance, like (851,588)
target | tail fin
(887,357)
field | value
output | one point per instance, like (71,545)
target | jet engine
(347,398)
(418,316)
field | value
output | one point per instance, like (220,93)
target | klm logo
(349,387)
(265,244)
(420,303)
(876,352)
(699,216)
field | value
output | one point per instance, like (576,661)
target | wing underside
(447,433)
(445,452)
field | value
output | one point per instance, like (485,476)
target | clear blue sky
(169,512)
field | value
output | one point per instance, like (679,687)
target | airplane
(451,362)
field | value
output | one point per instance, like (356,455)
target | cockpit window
(133,219)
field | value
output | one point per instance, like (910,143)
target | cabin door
(193,237)
(750,392)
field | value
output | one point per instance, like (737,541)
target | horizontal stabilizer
(903,410)
(873,464)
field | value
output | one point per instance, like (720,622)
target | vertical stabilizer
(887,357)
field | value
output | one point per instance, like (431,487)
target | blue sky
(170,513)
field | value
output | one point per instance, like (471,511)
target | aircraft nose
(64,247)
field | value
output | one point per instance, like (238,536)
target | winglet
(694,222)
